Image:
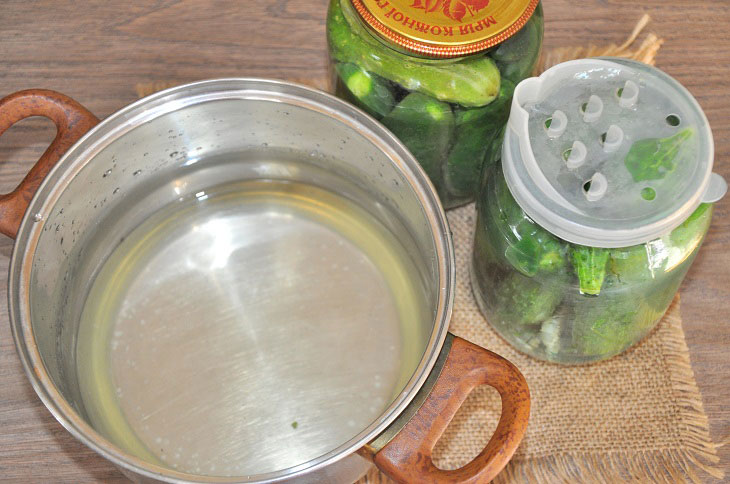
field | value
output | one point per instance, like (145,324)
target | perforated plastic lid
(608,152)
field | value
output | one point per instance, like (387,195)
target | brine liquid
(249,329)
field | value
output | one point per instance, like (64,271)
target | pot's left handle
(72,121)
(403,451)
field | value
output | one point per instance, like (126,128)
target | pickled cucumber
(474,133)
(473,81)
(425,125)
(367,91)
(516,57)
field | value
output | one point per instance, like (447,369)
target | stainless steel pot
(177,144)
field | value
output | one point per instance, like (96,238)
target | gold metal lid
(445,28)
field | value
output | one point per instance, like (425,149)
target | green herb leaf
(654,158)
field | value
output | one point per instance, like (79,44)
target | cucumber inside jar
(369,92)
(426,126)
(475,132)
(452,147)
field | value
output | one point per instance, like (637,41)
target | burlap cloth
(637,417)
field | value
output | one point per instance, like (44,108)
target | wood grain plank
(96,51)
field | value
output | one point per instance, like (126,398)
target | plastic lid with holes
(608,152)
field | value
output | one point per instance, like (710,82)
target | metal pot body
(176,144)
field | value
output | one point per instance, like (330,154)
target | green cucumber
(472,81)
(516,57)
(475,131)
(425,126)
(590,264)
(367,91)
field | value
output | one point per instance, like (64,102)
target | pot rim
(146,109)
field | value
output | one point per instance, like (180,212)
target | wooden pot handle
(407,457)
(72,121)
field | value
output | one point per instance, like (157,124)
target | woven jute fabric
(637,417)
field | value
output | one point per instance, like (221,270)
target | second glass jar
(570,303)
(447,111)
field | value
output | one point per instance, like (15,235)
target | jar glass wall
(565,302)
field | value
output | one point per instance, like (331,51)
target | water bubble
(107,173)
(37,217)
(137,172)
(116,190)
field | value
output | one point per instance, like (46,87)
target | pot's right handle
(407,456)
(72,121)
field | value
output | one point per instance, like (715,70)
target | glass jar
(569,272)
(440,75)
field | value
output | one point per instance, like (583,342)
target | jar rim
(543,185)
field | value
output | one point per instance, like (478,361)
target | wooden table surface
(96,51)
